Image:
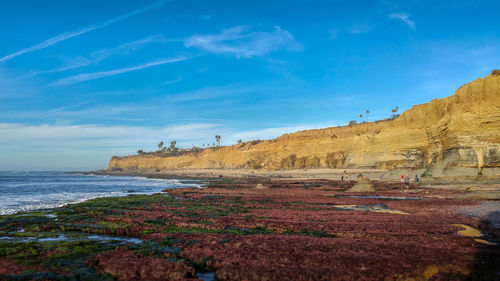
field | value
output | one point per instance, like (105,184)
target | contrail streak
(102,74)
(74,33)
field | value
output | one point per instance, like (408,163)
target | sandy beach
(334,174)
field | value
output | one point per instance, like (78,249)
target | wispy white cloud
(29,146)
(179,79)
(334,32)
(100,55)
(227,92)
(240,42)
(403,17)
(196,105)
(13,133)
(178,17)
(72,63)
(12,87)
(71,106)
(128,47)
(353,29)
(97,75)
(360,28)
(74,33)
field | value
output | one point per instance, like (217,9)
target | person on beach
(402,179)
(407,182)
(346,177)
(416,179)
(342,180)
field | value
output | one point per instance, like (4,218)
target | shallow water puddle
(482,241)
(379,208)
(208,276)
(17,239)
(468,231)
(112,238)
(472,232)
(62,237)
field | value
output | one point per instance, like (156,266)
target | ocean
(24,191)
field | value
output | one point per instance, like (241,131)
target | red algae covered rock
(126,265)
(9,267)
(292,230)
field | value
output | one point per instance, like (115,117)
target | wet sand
(321,173)
(333,174)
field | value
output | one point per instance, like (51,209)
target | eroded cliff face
(459,133)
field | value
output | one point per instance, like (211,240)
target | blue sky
(81,81)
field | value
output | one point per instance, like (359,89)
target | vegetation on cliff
(457,134)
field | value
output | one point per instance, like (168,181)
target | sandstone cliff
(459,133)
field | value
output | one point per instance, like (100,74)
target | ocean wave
(25,191)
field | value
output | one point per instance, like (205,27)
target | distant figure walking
(346,177)
(407,182)
(416,179)
(402,178)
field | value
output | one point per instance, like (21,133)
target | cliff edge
(459,134)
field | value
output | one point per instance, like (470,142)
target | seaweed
(310,232)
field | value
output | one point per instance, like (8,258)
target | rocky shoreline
(257,229)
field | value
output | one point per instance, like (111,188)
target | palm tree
(217,139)
(172,147)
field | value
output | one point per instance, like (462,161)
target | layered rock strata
(459,134)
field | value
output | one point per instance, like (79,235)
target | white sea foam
(25,191)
